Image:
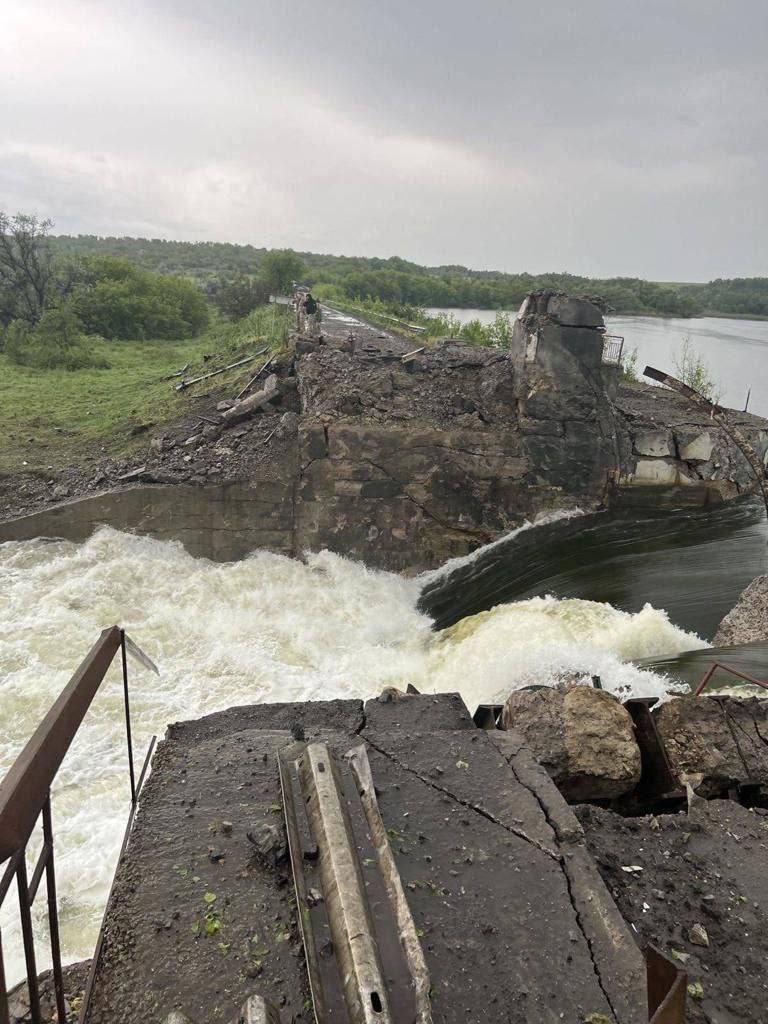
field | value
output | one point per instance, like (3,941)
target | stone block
(583,737)
(660,472)
(573,312)
(380,489)
(699,449)
(718,742)
(654,443)
(313,443)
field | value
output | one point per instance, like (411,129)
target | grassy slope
(94,410)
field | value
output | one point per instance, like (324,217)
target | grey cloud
(601,137)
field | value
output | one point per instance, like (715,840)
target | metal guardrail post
(124,660)
(25,904)
(25,794)
(53,913)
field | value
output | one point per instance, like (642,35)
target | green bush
(236,299)
(56,342)
(119,301)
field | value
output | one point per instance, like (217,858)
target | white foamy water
(263,629)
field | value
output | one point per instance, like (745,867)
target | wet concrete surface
(515,923)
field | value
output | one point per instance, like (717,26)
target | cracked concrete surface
(514,921)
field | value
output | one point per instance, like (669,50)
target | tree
(27,269)
(238,298)
(117,300)
(279,269)
(55,342)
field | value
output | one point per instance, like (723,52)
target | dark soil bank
(700,895)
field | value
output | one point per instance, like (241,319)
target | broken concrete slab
(413,712)
(716,742)
(201,914)
(468,789)
(583,737)
(698,449)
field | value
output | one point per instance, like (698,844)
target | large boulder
(747,621)
(716,742)
(583,737)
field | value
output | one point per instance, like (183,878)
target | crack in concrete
(568,884)
(464,803)
(763,739)
(731,723)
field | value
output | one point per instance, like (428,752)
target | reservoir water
(736,351)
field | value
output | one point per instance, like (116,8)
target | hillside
(397,281)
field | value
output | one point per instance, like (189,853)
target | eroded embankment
(400,464)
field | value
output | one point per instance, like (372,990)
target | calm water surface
(736,351)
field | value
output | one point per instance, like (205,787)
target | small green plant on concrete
(693,370)
(628,367)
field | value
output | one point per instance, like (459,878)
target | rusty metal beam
(364,960)
(666,988)
(365,990)
(409,938)
(25,787)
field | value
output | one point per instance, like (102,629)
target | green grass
(73,415)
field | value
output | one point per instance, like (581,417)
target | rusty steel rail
(25,795)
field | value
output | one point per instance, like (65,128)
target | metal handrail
(25,794)
(732,671)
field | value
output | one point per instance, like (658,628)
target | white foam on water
(264,629)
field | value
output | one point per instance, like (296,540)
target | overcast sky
(601,137)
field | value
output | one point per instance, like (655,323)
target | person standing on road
(298,303)
(312,315)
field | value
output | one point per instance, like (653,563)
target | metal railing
(705,679)
(613,346)
(25,795)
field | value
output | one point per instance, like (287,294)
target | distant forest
(399,283)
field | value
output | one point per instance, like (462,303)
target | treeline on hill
(56,302)
(400,283)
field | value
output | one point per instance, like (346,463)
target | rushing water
(736,351)
(271,629)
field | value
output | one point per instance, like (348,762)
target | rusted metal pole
(53,914)
(727,668)
(4,1015)
(719,415)
(126,699)
(25,787)
(29,941)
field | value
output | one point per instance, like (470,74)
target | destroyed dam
(407,649)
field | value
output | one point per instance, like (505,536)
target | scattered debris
(253,379)
(178,373)
(196,380)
